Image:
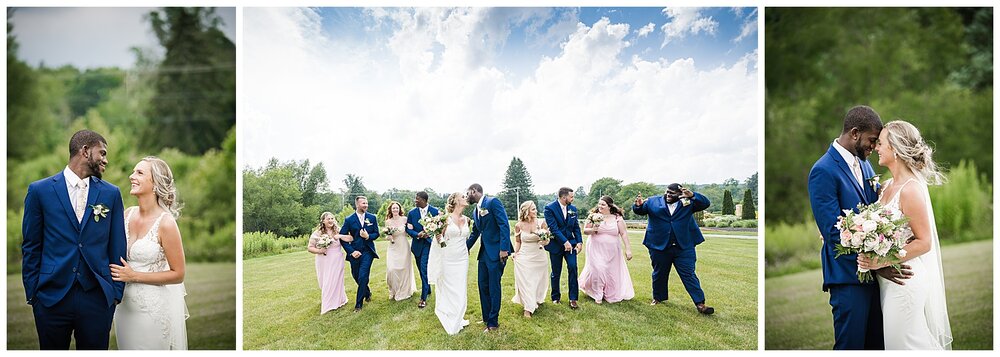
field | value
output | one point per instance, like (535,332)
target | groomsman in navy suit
(490,221)
(840,180)
(73,228)
(421,246)
(562,218)
(671,235)
(363,226)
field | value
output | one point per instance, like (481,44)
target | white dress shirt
(853,161)
(672,207)
(78,190)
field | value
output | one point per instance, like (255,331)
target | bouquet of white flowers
(390,231)
(543,237)
(876,231)
(324,241)
(434,226)
(595,219)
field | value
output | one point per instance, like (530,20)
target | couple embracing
(905,308)
(88,261)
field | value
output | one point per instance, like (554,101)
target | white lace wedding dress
(448,271)
(915,315)
(150,317)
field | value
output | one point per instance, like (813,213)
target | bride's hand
(123,273)
(870,263)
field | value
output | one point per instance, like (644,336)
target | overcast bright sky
(441,98)
(91,37)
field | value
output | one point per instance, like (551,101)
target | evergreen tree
(355,187)
(516,186)
(727,203)
(751,184)
(195,101)
(749,209)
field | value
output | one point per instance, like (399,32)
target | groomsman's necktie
(81,200)
(856,169)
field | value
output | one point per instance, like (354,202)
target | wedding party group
(440,244)
(883,228)
(89,261)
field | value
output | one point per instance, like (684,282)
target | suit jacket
(55,243)
(490,221)
(413,218)
(353,226)
(833,189)
(681,223)
(563,229)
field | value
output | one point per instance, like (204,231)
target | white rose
(869,226)
(902,253)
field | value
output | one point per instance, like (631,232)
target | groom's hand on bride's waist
(896,276)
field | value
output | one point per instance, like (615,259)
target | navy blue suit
(563,230)
(491,223)
(671,240)
(421,247)
(857,315)
(65,266)
(361,267)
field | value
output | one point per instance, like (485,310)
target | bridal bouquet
(434,226)
(324,241)
(595,219)
(876,231)
(390,231)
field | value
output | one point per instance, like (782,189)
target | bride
(448,267)
(152,313)
(915,315)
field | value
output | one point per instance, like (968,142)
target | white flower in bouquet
(543,237)
(434,226)
(389,232)
(324,241)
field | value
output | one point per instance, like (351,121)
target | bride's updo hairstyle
(910,148)
(163,185)
(452,202)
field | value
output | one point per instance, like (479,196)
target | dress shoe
(555,301)
(490,329)
(368,298)
(655,302)
(357,309)
(573,305)
(422,304)
(706,310)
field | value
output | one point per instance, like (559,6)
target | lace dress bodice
(145,254)
(456,232)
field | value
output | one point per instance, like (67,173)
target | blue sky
(576,93)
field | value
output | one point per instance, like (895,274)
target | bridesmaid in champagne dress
(531,261)
(398,269)
(605,275)
(329,263)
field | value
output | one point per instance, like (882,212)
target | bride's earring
(894,156)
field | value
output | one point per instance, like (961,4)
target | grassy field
(281,310)
(211,301)
(798,311)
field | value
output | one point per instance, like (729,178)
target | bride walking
(152,313)
(448,268)
(915,315)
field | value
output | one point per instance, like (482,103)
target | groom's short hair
(862,117)
(476,187)
(423,195)
(564,191)
(84,138)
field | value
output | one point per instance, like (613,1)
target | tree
(751,184)
(27,120)
(727,203)
(626,196)
(314,184)
(749,209)
(605,186)
(517,186)
(195,101)
(271,203)
(355,187)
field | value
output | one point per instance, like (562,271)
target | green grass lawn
(798,313)
(281,310)
(211,301)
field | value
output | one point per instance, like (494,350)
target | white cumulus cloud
(683,21)
(646,30)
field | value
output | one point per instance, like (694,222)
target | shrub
(260,244)
(963,207)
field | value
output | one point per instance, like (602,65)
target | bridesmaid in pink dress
(605,276)
(329,263)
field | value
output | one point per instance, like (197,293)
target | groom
(421,246)
(490,221)
(562,219)
(840,180)
(73,228)
(363,227)
(671,236)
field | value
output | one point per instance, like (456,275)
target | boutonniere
(874,182)
(685,201)
(100,211)
(571,213)
(483,212)
(367,222)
